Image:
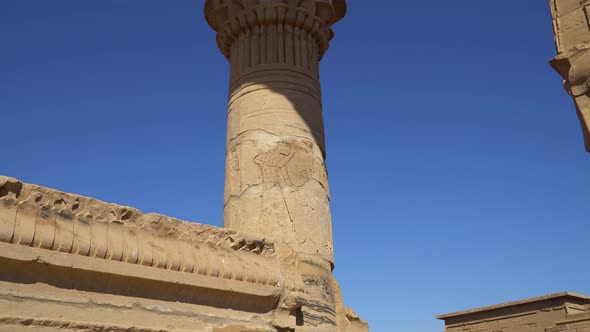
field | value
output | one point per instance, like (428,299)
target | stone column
(571,26)
(276,183)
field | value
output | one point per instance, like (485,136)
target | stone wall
(551,313)
(72,262)
(577,322)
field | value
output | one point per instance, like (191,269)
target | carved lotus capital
(230,18)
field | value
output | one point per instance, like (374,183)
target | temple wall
(571,26)
(532,321)
(551,313)
(579,322)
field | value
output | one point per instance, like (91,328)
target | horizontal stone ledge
(45,218)
(581,317)
(25,324)
(26,265)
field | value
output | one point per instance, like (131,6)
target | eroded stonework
(276,179)
(551,313)
(66,256)
(571,26)
(75,263)
(39,217)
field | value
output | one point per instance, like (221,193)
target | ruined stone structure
(551,313)
(74,263)
(571,25)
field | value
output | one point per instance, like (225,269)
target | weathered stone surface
(77,244)
(231,19)
(577,322)
(355,323)
(276,182)
(83,226)
(43,307)
(59,243)
(571,26)
(554,312)
(74,263)
(74,242)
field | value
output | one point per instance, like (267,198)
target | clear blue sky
(456,162)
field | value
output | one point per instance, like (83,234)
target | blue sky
(456,162)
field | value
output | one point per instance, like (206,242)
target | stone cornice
(42,265)
(232,18)
(48,219)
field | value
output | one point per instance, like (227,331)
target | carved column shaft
(276,183)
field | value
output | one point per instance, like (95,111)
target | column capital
(230,18)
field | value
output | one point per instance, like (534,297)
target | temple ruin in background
(562,311)
(551,313)
(75,263)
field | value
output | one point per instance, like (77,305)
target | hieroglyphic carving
(44,218)
(289,191)
(291,164)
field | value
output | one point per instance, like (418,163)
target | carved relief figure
(289,165)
